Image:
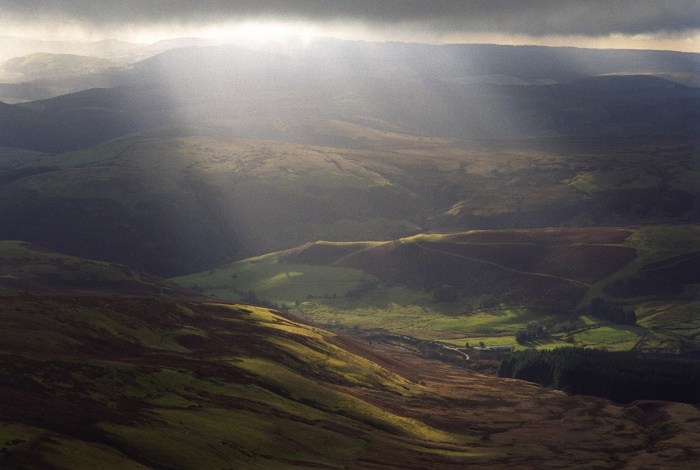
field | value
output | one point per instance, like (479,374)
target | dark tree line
(602,309)
(619,376)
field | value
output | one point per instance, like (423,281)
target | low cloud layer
(532,17)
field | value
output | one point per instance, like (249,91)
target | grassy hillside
(154,382)
(179,200)
(512,201)
(498,282)
(29,268)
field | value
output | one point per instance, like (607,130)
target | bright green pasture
(493,327)
(426,320)
(350,299)
(274,281)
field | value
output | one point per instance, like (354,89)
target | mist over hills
(449,91)
(187,199)
(498,137)
(205,155)
(424,199)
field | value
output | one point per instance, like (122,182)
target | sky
(637,24)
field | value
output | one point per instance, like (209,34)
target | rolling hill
(29,268)
(211,154)
(423,199)
(424,90)
(179,200)
(498,281)
(127,381)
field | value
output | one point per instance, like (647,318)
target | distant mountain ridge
(420,89)
(464,195)
(373,129)
(405,61)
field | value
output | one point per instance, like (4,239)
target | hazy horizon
(657,25)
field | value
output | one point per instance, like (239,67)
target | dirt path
(490,263)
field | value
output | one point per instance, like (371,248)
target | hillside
(356,236)
(146,382)
(485,285)
(393,61)
(476,92)
(29,268)
(214,154)
(181,200)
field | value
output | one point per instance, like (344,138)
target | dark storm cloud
(535,17)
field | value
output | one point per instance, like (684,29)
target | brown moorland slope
(28,267)
(94,379)
(530,264)
(158,383)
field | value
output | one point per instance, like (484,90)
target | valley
(324,255)
(149,382)
(184,200)
(493,283)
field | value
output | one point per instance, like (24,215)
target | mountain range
(466,92)
(284,256)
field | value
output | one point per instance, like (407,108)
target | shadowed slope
(530,264)
(27,267)
(135,382)
(182,200)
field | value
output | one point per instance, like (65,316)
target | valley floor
(521,425)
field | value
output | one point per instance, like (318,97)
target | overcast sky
(664,24)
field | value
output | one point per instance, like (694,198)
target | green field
(353,299)
(274,281)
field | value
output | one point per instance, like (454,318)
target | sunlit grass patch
(627,177)
(614,337)
(308,349)
(332,401)
(422,321)
(270,319)
(465,455)
(275,281)
(339,366)
(488,322)
(220,438)
(407,319)
(489,341)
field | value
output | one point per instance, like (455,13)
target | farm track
(505,268)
